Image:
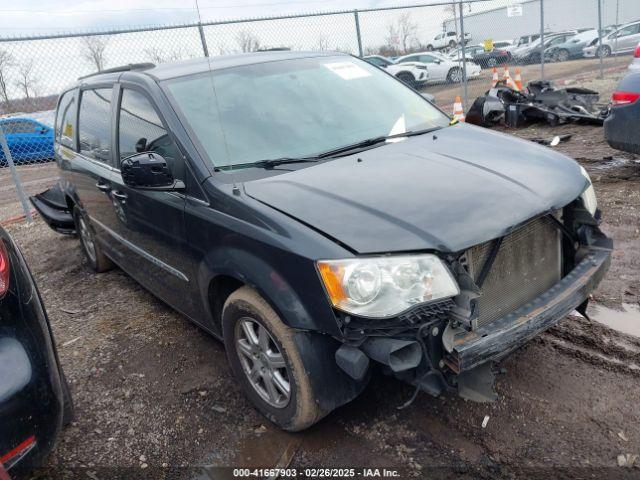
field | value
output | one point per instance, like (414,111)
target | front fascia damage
(440,346)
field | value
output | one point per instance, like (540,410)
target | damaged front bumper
(492,342)
(433,351)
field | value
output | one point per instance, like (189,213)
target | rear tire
(429,48)
(90,246)
(454,75)
(452,44)
(604,51)
(247,319)
(68,412)
(492,62)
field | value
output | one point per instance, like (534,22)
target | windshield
(296,108)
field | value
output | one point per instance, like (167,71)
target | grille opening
(528,263)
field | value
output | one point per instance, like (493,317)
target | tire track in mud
(596,344)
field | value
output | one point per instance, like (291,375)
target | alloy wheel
(262,362)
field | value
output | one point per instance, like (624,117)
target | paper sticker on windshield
(347,70)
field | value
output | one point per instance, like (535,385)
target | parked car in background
(413,74)
(622,40)
(478,55)
(338,248)
(28,140)
(532,53)
(441,68)
(447,40)
(503,43)
(522,41)
(621,126)
(571,48)
(35,400)
(634,66)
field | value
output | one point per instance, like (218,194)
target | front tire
(454,75)
(407,78)
(429,48)
(266,361)
(562,56)
(90,246)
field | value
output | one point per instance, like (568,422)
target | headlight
(589,195)
(380,287)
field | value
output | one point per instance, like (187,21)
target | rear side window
(140,129)
(94,124)
(66,120)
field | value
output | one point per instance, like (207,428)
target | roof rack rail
(124,68)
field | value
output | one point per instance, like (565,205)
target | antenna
(236,190)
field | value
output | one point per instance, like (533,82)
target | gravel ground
(154,394)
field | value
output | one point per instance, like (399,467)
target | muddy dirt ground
(154,393)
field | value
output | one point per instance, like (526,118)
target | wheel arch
(224,270)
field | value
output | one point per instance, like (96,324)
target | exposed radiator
(527,264)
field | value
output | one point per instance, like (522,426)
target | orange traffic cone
(495,79)
(518,79)
(458,112)
(508,81)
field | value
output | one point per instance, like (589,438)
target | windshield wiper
(370,142)
(272,162)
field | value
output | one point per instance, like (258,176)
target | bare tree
(26,80)
(322,43)
(6,62)
(247,41)
(157,55)
(154,54)
(93,51)
(392,40)
(406,31)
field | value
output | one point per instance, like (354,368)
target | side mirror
(148,171)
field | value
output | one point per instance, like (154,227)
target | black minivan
(324,219)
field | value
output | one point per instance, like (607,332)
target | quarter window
(94,124)
(66,120)
(140,129)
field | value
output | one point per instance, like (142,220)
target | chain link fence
(534,36)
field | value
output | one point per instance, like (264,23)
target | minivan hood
(444,191)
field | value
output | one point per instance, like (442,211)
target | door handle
(103,187)
(119,195)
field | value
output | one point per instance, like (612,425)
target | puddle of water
(625,321)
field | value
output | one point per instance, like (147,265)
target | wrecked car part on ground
(318,258)
(542,102)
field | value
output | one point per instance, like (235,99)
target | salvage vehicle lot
(152,390)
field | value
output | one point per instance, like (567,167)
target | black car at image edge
(621,125)
(35,400)
(324,220)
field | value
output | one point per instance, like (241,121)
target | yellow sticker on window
(67,131)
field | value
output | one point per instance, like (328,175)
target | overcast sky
(54,63)
(43,16)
